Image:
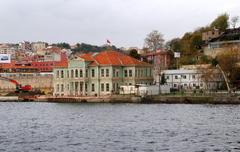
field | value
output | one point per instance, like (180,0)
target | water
(27,127)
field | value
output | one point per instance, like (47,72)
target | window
(176,77)
(114,72)
(130,73)
(67,74)
(194,85)
(93,73)
(62,74)
(174,85)
(81,73)
(86,73)
(167,77)
(135,73)
(102,72)
(184,76)
(117,73)
(57,87)
(125,73)
(76,73)
(68,87)
(57,74)
(113,87)
(107,86)
(72,73)
(86,87)
(93,87)
(117,86)
(107,72)
(81,86)
(62,88)
(193,76)
(102,87)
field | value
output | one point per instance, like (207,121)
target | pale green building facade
(83,78)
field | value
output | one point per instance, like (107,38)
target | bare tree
(234,21)
(229,64)
(207,74)
(154,40)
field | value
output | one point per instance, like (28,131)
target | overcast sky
(124,22)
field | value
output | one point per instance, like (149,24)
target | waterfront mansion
(97,74)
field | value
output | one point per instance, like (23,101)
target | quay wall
(151,100)
(133,99)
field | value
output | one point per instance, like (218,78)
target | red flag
(108,42)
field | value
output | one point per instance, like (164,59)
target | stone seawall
(134,99)
(193,99)
(152,99)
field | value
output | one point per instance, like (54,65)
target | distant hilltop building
(25,45)
(211,34)
(228,40)
(38,46)
(7,48)
(100,74)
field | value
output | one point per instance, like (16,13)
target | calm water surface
(27,127)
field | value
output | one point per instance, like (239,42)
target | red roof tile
(87,56)
(112,58)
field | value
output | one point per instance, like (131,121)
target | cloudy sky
(124,22)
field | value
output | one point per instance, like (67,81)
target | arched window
(76,73)
(81,73)
(62,74)
(72,73)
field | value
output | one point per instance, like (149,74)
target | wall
(37,82)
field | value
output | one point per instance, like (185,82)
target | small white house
(190,79)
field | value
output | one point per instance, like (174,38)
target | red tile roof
(46,65)
(114,58)
(87,57)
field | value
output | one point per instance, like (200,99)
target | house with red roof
(100,74)
(161,59)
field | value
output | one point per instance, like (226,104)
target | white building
(144,90)
(38,46)
(208,79)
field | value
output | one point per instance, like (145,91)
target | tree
(234,21)
(83,47)
(63,45)
(207,74)
(133,53)
(228,61)
(174,44)
(154,40)
(221,22)
(196,41)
